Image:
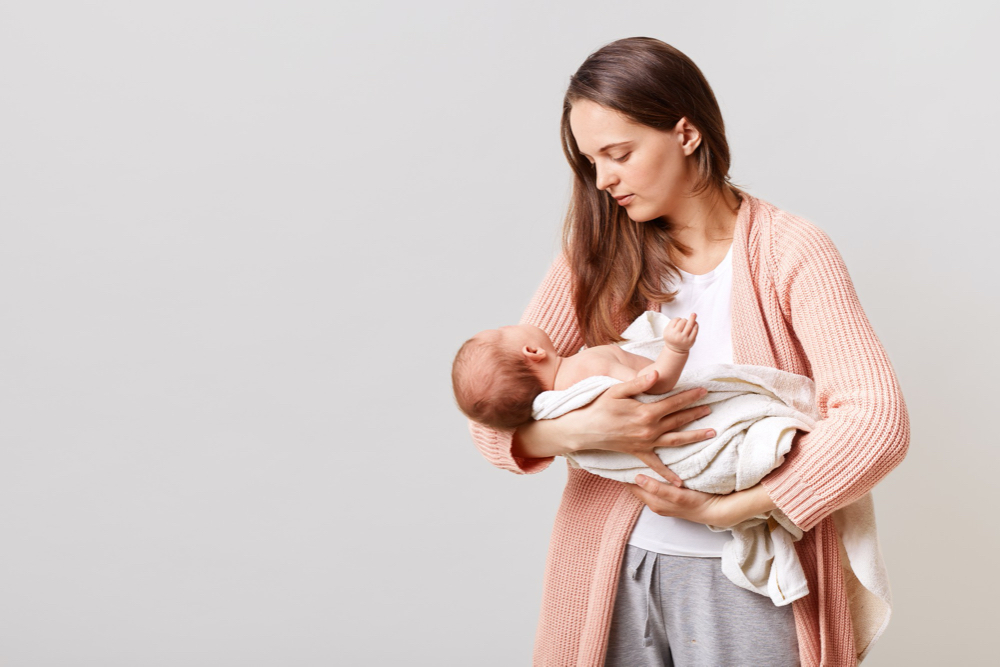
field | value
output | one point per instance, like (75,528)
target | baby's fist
(680,333)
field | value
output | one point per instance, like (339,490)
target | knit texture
(794,308)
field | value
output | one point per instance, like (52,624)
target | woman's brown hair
(619,264)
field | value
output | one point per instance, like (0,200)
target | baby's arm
(678,337)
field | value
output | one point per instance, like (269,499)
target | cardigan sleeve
(864,431)
(551,309)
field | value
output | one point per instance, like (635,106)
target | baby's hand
(680,333)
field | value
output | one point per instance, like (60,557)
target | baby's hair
(493,385)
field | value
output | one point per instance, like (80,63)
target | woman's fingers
(681,438)
(680,418)
(666,500)
(663,499)
(648,499)
(655,424)
(655,464)
(673,405)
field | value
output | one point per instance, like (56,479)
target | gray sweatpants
(679,611)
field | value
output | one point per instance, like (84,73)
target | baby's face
(517,336)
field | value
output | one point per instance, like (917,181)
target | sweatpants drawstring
(649,573)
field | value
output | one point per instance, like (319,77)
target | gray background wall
(241,242)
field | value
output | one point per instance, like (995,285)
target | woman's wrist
(737,507)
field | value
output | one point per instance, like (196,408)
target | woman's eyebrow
(604,148)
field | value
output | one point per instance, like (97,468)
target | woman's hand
(723,511)
(615,421)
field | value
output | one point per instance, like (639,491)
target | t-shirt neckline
(702,277)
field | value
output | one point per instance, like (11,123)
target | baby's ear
(533,353)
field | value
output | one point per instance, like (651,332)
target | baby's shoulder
(597,360)
(610,352)
(606,360)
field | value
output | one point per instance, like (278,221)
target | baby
(498,373)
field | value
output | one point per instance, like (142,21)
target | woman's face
(645,169)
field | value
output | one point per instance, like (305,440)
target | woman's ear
(688,135)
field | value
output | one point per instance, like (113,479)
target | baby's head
(498,373)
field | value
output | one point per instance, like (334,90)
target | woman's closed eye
(623,157)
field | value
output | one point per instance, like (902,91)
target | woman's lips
(624,201)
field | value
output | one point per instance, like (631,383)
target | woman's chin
(637,214)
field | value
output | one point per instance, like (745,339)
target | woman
(633,575)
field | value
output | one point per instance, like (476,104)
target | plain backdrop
(242,241)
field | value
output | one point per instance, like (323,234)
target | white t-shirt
(710,296)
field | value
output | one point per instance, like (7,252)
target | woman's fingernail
(640,479)
(710,433)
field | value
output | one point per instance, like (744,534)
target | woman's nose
(604,179)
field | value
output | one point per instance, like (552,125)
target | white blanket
(756,411)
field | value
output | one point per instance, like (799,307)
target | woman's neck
(708,233)
(706,224)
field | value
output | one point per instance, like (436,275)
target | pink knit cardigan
(794,308)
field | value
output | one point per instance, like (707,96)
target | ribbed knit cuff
(798,501)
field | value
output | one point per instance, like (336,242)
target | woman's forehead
(598,129)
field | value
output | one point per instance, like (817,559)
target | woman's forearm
(712,509)
(750,503)
(539,440)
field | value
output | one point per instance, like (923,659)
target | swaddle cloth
(756,411)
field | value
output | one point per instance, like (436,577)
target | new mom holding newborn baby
(727,417)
